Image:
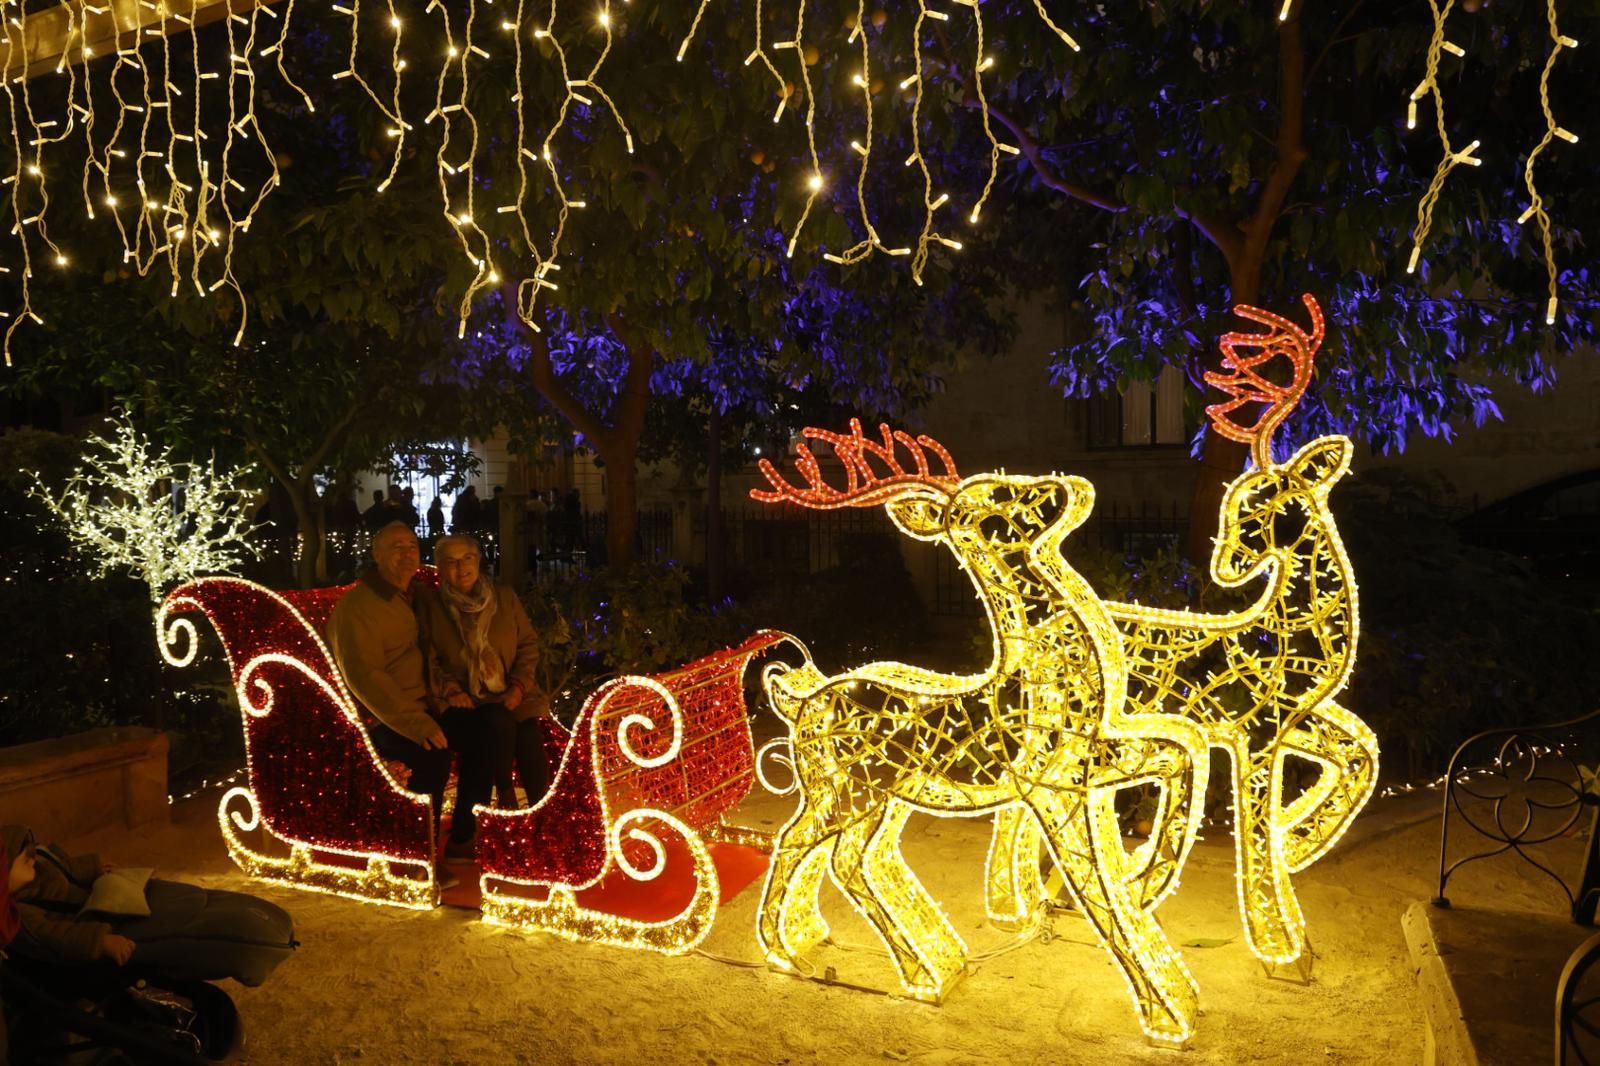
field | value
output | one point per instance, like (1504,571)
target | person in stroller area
(88,931)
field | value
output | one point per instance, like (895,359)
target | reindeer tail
(789,687)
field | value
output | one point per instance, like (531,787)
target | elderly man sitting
(375,640)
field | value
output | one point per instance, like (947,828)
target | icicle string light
(186,196)
(475,35)
(816,181)
(1429,86)
(1552,130)
(863,79)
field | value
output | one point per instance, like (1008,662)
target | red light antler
(864,485)
(1246,386)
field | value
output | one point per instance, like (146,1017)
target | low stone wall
(73,785)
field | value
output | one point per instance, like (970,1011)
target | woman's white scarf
(471,612)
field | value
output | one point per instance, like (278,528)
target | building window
(1150,413)
(432,469)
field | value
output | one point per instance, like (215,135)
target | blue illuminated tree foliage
(1199,153)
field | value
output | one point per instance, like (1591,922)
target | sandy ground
(379,985)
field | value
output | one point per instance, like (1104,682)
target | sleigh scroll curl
(646,779)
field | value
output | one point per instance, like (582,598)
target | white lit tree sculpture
(119,509)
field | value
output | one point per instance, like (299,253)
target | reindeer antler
(1246,386)
(865,486)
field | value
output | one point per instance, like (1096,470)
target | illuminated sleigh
(645,778)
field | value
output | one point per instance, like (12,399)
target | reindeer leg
(920,920)
(790,919)
(1084,842)
(1347,751)
(1172,754)
(868,867)
(1013,889)
(1274,926)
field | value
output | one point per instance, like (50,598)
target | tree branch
(1333,39)
(329,439)
(1049,176)
(1220,231)
(542,371)
(1183,281)
(272,465)
(1291,138)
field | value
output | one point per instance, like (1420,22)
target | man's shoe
(460,849)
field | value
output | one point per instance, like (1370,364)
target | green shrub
(1454,639)
(596,623)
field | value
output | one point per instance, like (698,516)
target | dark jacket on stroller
(50,904)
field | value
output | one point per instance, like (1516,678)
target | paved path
(377,985)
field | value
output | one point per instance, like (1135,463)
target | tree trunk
(617,443)
(715,561)
(622,501)
(311,532)
(1244,246)
(1221,459)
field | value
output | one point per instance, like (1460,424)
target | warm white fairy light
(117,508)
(1041,733)
(184,177)
(1552,130)
(860,31)
(1429,86)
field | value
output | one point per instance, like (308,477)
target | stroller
(162,1006)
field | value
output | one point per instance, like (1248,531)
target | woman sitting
(482,652)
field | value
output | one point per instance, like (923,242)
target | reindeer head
(1268,513)
(983,513)
(1248,386)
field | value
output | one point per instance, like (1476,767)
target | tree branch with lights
(118,510)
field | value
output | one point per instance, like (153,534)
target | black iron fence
(765,541)
(797,540)
(1134,529)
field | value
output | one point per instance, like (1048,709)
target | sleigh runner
(642,784)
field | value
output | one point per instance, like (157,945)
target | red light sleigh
(642,785)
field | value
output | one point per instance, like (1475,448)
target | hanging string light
(1551,132)
(166,176)
(1452,158)
(468,38)
(815,180)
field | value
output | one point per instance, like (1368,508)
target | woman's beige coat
(511,634)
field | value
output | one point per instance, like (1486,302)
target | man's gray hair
(451,540)
(389,529)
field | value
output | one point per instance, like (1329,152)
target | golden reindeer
(1040,733)
(1260,682)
